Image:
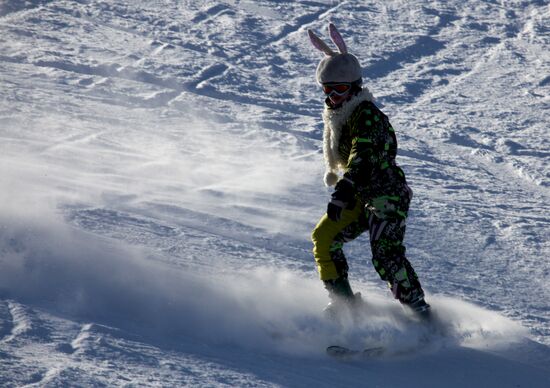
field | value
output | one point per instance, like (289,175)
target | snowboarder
(371,195)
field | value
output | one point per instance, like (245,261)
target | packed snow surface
(161,172)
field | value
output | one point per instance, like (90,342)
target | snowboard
(423,318)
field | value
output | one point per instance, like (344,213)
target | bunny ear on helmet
(337,39)
(319,44)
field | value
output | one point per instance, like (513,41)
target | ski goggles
(338,89)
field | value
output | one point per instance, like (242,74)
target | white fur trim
(334,120)
(331,178)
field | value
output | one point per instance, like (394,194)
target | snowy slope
(161,171)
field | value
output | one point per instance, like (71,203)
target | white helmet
(335,67)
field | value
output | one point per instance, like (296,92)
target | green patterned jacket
(368,145)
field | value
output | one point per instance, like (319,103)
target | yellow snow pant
(323,241)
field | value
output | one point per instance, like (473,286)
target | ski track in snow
(161,171)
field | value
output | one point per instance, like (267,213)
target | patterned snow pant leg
(388,258)
(388,251)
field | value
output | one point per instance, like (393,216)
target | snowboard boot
(414,300)
(342,298)
(407,289)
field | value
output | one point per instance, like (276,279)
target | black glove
(342,198)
